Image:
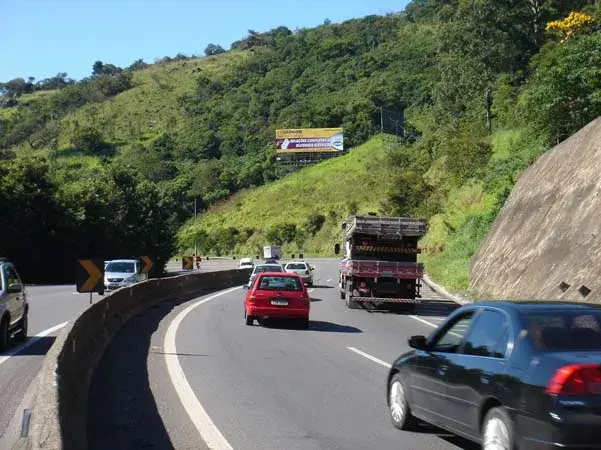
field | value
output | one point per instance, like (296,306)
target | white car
(246,263)
(301,268)
(123,273)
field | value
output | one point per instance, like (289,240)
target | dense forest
(111,164)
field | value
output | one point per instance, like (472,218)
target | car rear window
(296,266)
(274,268)
(280,284)
(565,330)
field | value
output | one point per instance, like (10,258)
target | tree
(564,94)
(138,64)
(16,87)
(89,140)
(213,49)
(100,68)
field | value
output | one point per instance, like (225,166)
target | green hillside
(358,182)
(469,94)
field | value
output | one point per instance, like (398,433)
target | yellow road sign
(147,264)
(89,275)
(187,262)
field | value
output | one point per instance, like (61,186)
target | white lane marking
(370,357)
(32,340)
(328,280)
(433,325)
(207,429)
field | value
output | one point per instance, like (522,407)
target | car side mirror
(418,342)
(15,288)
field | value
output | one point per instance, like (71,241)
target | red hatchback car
(277,295)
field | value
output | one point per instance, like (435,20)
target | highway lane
(263,387)
(51,307)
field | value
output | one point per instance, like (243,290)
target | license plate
(113,286)
(279,302)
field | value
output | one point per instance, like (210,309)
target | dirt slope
(549,231)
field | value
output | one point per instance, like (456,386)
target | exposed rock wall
(549,230)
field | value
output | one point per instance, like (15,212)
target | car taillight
(252,298)
(363,285)
(576,379)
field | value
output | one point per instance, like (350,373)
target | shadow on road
(122,412)
(457,441)
(39,348)
(33,346)
(432,308)
(313,299)
(314,325)
(322,286)
(329,327)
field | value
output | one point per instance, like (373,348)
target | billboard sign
(309,140)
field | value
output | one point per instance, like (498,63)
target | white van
(246,263)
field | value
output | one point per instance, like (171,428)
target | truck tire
(341,289)
(350,303)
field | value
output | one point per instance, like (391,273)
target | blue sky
(41,38)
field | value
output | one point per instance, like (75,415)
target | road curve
(51,307)
(262,387)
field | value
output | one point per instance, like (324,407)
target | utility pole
(381,120)
(195,233)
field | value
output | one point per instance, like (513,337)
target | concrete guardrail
(59,414)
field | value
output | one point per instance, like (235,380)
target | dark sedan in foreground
(510,375)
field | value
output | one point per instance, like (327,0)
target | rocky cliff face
(546,241)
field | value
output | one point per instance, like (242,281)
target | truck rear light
(576,379)
(363,285)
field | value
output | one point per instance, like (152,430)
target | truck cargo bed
(376,269)
(389,227)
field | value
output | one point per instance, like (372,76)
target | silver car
(122,273)
(13,304)
(264,268)
(301,268)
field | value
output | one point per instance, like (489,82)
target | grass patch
(357,181)
(470,210)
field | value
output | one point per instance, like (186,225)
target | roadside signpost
(89,276)
(148,264)
(187,262)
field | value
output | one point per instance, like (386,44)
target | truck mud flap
(377,300)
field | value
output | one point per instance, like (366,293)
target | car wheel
(22,334)
(400,412)
(249,319)
(498,431)
(3,334)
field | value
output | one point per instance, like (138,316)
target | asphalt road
(51,307)
(262,387)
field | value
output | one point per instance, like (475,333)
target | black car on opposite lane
(510,375)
